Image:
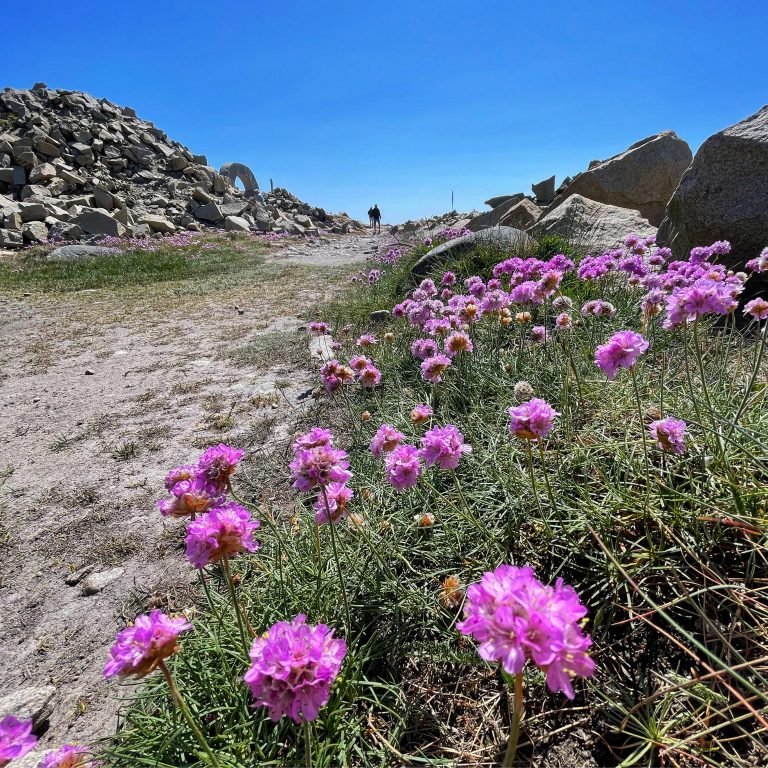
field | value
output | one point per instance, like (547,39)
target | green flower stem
(332,525)
(306,728)
(187,714)
(517,715)
(546,478)
(533,484)
(233,595)
(645,439)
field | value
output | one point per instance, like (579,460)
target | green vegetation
(668,553)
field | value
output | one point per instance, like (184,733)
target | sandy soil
(100,393)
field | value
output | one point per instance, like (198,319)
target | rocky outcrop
(73,166)
(494,202)
(505,239)
(724,194)
(642,178)
(590,225)
(544,191)
(494,217)
(522,215)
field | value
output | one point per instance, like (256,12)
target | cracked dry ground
(175,367)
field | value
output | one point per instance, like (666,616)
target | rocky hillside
(73,167)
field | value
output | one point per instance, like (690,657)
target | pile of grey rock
(73,167)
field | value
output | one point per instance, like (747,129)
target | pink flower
(293,668)
(563,320)
(514,617)
(386,439)
(403,467)
(16,739)
(620,351)
(358,362)
(320,465)
(458,342)
(218,464)
(532,420)
(366,340)
(598,308)
(443,446)
(139,649)
(670,434)
(449,278)
(369,377)
(424,348)
(315,437)
(319,328)
(177,474)
(220,533)
(69,756)
(758,308)
(339,495)
(433,368)
(539,334)
(190,497)
(420,414)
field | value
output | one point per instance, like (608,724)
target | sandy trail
(83,455)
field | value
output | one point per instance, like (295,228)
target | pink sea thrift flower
(369,377)
(338,495)
(563,321)
(424,348)
(598,308)
(315,437)
(620,351)
(69,756)
(140,648)
(539,334)
(366,340)
(358,362)
(421,413)
(760,264)
(403,467)
(433,368)
(320,465)
(443,446)
(220,533)
(670,434)
(532,420)
(318,327)
(218,464)
(16,739)
(457,342)
(293,668)
(514,617)
(190,497)
(757,308)
(177,474)
(386,439)
(449,278)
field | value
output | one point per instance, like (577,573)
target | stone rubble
(73,167)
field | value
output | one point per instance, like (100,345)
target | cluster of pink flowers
(532,420)
(757,309)
(443,446)
(16,739)
(598,308)
(318,327)
(421,413)
(155,243)
(69,756)
(760,264)
(670,434)
(220,533)
(446,234)
(139,649)
(620,351)
(293,667)
(334,375)
(403,467)
(361,369)
(514,617)
(317,464)
(386,439)
(198,488)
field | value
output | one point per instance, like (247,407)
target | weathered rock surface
(494,202)
(544,191)
(724,194)
(95,582)
(33,703)
(502,238)
(80,252)
(494,217)
(592,225)
(522,215)
(642,178)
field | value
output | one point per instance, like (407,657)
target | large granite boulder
(724,194)
(506,239)
(492,218)
(494,202)
(522,215)
(592,226)
(642,178)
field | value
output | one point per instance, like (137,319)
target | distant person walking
(376,215)
(370,217)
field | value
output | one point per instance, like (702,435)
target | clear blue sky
(350,103)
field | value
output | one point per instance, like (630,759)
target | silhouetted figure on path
(370,217)
(376,214)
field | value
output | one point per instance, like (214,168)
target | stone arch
(239,171)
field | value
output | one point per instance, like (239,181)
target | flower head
(338,496)
(421,413)
(532,420)
(140,648)
(514,617)
(293,667)
(403,467)
(358,362)
(386,439)
(523,391)
(424,348)
(319,328)
(69,756)
(369,377)
(458,342)
(178,474)
(539,334)
(218,464)
(620,351)
(315,437)
(452,593)
(222,532)
(320,465)
(16,738)
(670,434)
(190,497)
(443,446)
(757,308)
(433,368)
(366,340)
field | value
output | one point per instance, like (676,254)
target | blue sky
(399,103)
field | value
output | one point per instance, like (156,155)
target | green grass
(31,272)
(667,552)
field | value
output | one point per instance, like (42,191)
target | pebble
(89,371)
(94,583)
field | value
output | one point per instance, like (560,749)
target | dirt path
(100,393)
